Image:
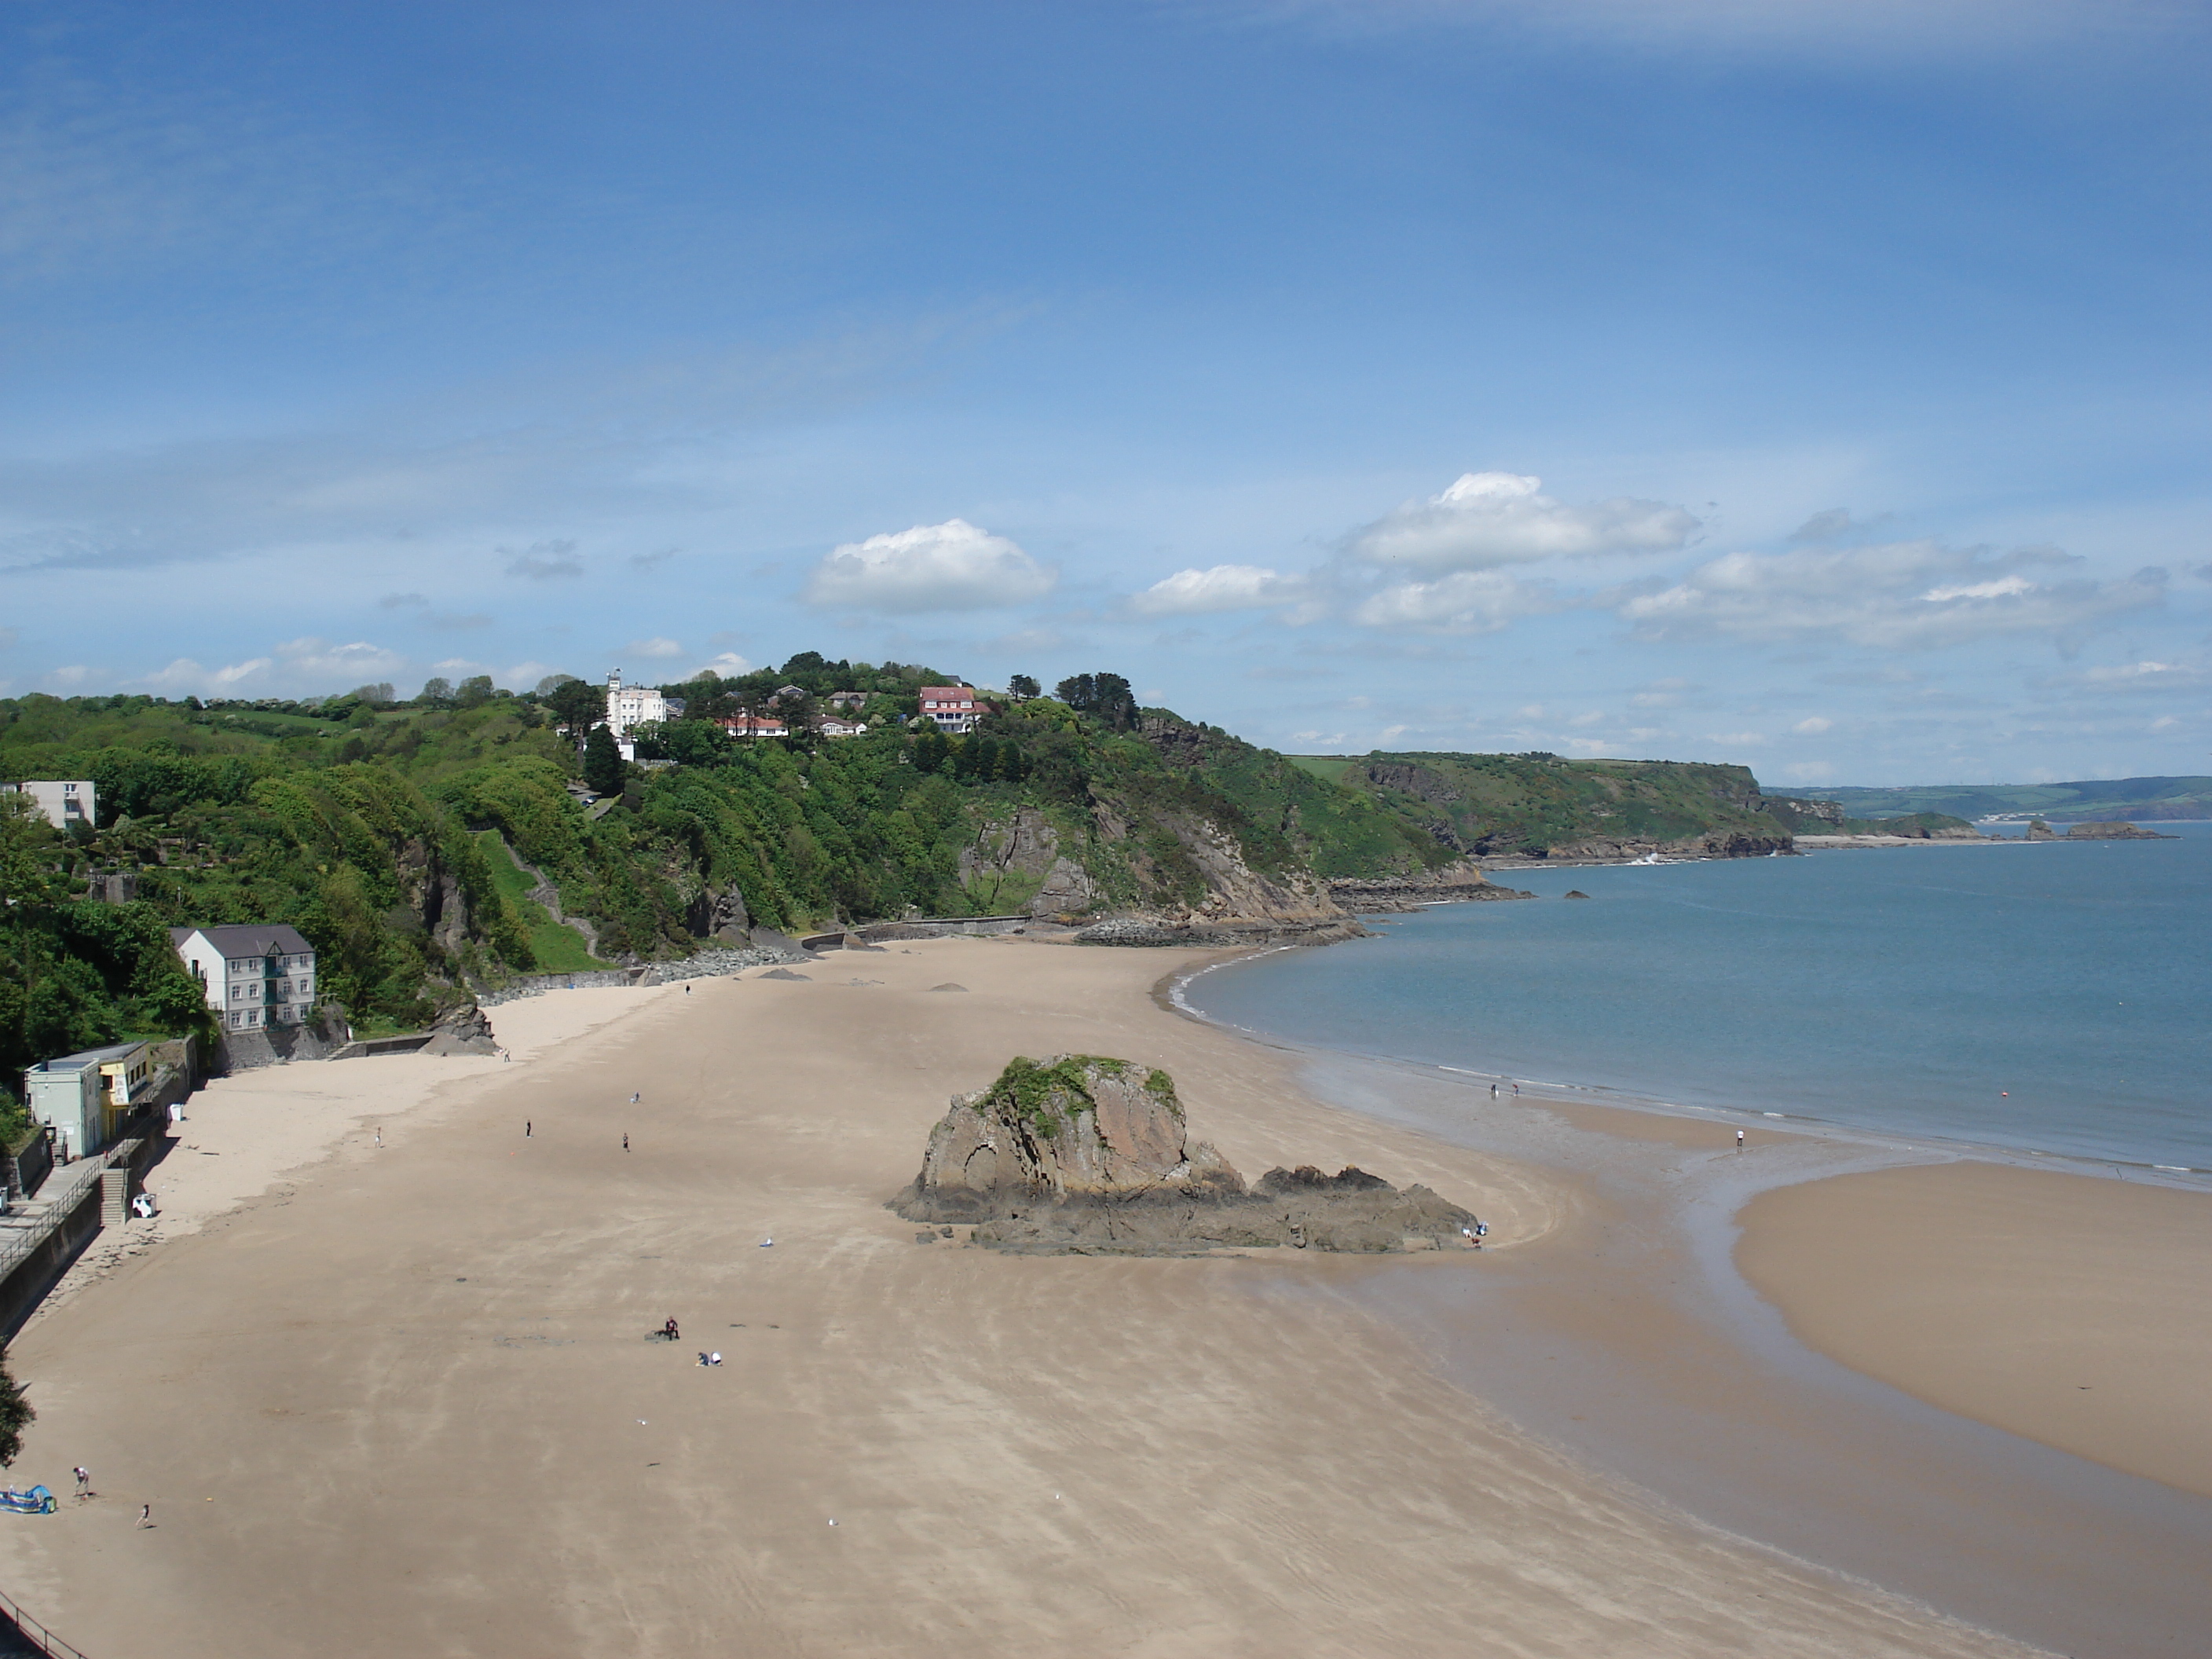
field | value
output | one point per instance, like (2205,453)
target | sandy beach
(400,1397)
(2069,1308)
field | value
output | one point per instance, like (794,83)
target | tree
(382,691)
(695,743)
(15,1414)
(475,692)
(1021,688)
(437,691)
(578,705)
(602,763)
(1106,695)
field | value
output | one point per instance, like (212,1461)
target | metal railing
(40,1638)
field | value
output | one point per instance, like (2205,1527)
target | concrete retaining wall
(26,1281)
(941,927)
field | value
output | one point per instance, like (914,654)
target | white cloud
(2136,678)
(1468,602)
(185,675)
(544,561)
(953,566)
(74,674)
(356,664)
(461,665)
(1490,519)
(1881,31)
(1903,595)
(1812,726)
(1219,587)
(729,664)
(1737,740)
(1662,694)
(656,648)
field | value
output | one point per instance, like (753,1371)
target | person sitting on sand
(670,1331)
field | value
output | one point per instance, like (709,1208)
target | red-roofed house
(953,708)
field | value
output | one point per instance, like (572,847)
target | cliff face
(1507,807)
(1168,872)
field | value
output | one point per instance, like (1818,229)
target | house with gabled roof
(255,975)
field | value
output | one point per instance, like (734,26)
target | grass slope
(555,946)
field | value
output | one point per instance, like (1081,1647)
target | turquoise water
(2046,998)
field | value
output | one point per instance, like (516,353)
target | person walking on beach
(1739,1140)
(145,1515)
(633,1100)
(625,1142)
(526,1126)
(1516,1091)
(379,1134)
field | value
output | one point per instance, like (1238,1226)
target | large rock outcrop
(1087,1154)
(463,1029)
(2113,831)
(1076,1123)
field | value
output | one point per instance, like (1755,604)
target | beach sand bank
(403,1399)
(2069,1308)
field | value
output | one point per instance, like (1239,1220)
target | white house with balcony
(63,801)
(255,976)
(954,707)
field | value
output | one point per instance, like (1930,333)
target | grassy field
(559,949)
(1329,768)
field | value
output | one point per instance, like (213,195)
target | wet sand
(2074,1309)
(403,1400)
(1629,1340)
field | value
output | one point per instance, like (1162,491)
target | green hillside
(2078,802)
(376,828)
(1535,805)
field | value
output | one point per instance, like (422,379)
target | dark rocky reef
(2114,831)
(1458,882)
(1087,1155)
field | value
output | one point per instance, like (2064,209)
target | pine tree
(602,763)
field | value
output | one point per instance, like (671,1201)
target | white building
(630,706)
(255,976)
(953,708)
(64,802)
(84,1097)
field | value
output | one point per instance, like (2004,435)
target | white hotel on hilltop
(629,707)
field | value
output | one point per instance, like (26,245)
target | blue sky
(1816,384)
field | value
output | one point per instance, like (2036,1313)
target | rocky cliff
(1087,1154)
(1456,883)
(2114,832)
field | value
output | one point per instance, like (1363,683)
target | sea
(2052,998)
